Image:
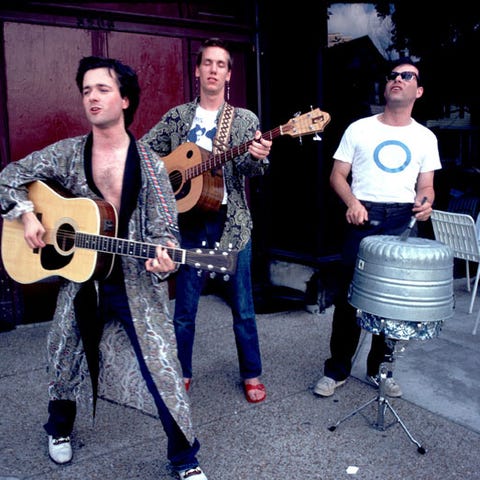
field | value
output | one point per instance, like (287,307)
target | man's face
(102,101)
(403,90)
(213,72)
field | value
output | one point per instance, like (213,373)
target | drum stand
(383,404)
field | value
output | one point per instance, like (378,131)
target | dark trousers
(384,219)
(61,418)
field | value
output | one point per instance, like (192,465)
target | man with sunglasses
(391,159)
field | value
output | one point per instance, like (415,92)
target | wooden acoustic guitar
(194,174)
(82,244)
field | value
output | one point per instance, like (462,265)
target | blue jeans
(189,285)
(385,219)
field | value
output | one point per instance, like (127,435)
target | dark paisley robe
(120,379)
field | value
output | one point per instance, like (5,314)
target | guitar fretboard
(218,159)
(311,122)
(120,246)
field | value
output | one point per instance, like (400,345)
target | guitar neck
(308,123)
(220,159)
(120,246)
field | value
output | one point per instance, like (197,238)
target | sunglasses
(407,76)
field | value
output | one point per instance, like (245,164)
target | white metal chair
(459,232)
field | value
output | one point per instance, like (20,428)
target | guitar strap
(220,142)
(146,155)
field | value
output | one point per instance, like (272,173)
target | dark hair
(126,77)
(406,61)
(214,42)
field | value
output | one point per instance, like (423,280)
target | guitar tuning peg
(217,244)
(213,274)
(199,273)
(204,243)
(226,277)
(317,137)
(297,114)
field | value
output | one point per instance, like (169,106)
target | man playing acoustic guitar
(214,125)
(128,326)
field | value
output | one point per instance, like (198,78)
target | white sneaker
(60,449)
(326,386)
(392,388)
(192,474)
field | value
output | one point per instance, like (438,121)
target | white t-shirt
(386,160)
(204,128)
(203,131)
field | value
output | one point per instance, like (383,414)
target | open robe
(120,379)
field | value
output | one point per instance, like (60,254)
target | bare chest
(108,169)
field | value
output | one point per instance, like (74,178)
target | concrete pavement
(285,437)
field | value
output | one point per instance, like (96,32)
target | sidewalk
(285,437)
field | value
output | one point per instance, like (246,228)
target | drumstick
(413,220)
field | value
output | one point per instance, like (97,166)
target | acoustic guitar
(82,244)
(193,171)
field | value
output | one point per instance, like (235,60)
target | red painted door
(44,104)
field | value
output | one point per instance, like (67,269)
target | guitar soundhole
(183,192)
(65,237)
(175,180)
(180,189)
(51,256)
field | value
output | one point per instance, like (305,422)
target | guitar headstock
(311,122)
(212,260)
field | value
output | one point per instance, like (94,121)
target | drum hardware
(383,404)
(402,288)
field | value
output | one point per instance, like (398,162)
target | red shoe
(260,387)
(187,382)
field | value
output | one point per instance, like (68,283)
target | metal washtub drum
(403,281)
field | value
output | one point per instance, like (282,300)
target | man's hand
(356,213)
(162,263)
(259,148)
(422,209)
(33,230)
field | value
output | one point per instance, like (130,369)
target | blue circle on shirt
(408,156)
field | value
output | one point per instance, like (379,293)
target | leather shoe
(59,449)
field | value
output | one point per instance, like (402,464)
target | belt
(390,205)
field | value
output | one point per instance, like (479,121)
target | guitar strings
(215,160)
(175,253)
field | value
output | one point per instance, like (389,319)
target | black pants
(61,418)
(384,219)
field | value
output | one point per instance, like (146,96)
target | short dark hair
(126,77)
(214,42)
(406,61)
